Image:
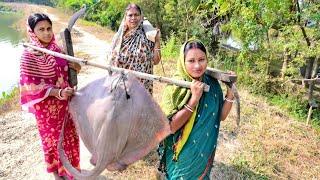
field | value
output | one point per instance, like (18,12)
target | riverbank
(9,71)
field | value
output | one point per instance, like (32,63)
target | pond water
(10,51)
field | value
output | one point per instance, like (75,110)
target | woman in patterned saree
(131,49)
(194,117)
(45,91)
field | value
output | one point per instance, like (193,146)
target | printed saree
(188,154)
(133,51)
(38,75)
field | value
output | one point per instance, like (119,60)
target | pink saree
(38,75)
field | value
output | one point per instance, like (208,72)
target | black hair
(33,19)
(135,6)
(194,45)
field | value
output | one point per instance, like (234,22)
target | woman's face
(43,30)
(196,63)
(133,17)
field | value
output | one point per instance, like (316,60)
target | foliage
(296,106)
(278,40)
(42,2)
(9,100)
(5,8)
(171,47)
(271,31)
(74,5)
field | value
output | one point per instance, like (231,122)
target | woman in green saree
(194,117)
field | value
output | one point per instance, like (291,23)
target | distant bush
(5,8)
(74,4)
(47,2)
(9,101)
(170,49)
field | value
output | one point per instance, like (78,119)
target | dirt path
(269,145)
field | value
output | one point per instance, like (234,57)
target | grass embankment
(270,144)
(9,101)
(6,8)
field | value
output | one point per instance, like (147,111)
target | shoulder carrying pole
(229,80)
(151,77)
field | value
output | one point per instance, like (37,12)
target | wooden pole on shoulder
(151,77)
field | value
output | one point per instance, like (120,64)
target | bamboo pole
(151,77)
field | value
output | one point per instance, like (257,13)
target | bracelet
(59,95)
(228,100)
(188,108)
(157,49)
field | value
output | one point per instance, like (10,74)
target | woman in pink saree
(45,92)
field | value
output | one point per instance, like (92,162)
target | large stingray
(118,121)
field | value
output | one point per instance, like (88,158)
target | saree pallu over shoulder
(133,51)
(174,98)
(187,153)
(195,158)
(39,74)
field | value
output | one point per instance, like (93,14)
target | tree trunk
(312,103)
(158,16)
(314,74)
(214,44)
(309,64)
(286,59)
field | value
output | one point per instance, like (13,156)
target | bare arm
(156,50)
(64,93)
(182,116)
(227,105)
(75,66)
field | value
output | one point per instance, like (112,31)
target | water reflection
(10,51)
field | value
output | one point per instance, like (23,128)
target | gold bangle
(188,108)
(228,100)
(59,96)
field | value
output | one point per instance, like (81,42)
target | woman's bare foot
(56,176)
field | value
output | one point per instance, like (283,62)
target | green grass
(297,108)
(88,23)
(170,48)
(5,8)
(9,101)
(269,145)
